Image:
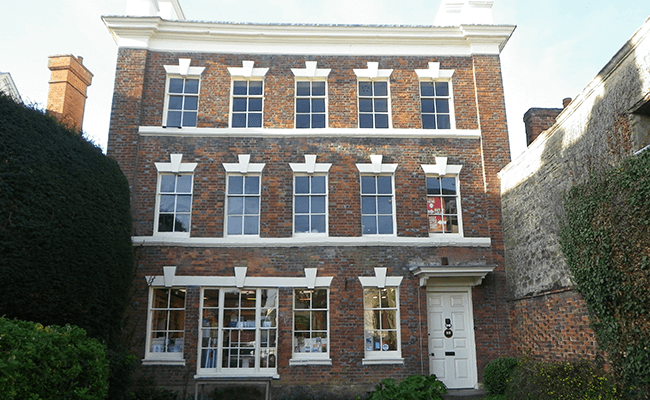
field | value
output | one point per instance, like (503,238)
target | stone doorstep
(459,394)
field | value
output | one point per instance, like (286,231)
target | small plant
(577,380)
(415,387)
(497,374)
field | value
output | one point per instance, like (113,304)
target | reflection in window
(442,204)
(182,102)
(243,204)
(167,318)
(310,202)
(381,319)
(175,202)
(377,204)
(310,322)
(247,101)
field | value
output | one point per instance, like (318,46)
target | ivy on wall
(606,241)
(65,227)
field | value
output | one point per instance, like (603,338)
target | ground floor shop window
(238,331)
(166,324)
(310,324)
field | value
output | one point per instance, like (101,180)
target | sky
(558,47)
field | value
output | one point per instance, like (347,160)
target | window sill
(238,375)
(153,361)
(309,361)
(380,361)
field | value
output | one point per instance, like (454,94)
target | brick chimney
(537,120)
(67,96)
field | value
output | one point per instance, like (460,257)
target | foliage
(577,380)
(50,362)
(311,392)
(415,387)
(65,230)
(497,373)
(606,242)
(154,393)
(238,392)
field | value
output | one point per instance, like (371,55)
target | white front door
(451,339)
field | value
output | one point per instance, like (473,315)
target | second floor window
(243,205)
(377,204)
(310,204)
(310,104)
(373,104)
(247,103)
(442,204)
(174,202)
(182,102)
(434,101)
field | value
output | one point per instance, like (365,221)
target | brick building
(608,121)
(313,204)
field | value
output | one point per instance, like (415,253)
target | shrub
(560,380)
(415,387)
(497,373)
(154,393)
(50,362)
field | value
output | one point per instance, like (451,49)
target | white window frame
(182,71)
(247,73)
(443,170)
(373,74)
(311,168)
(314,358)
(434,74)
(376,168)
(311,74)
(245,169)
(162,357)
(175,167)
(382,281)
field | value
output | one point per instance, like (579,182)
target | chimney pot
(566,102)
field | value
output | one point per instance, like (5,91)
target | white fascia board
(354,40)
(442,240)
(297,133)
(230,281)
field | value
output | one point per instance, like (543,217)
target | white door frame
(450,288)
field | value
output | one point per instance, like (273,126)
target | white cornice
(156,34)
(272,133)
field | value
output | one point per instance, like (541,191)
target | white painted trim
(153,361)
(380,280)
(383,360)
(183,68)
(376,167)
(244,166)
(447,240)
(240,280)
(441,168)
(311,71)
(469,275)
(397,133)
(434,72)
(373,72)
(310,166)
(175,166)
(247,71)
(294,362)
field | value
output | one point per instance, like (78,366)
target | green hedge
(51,362)
(606,242)
(65,229)
(497,374)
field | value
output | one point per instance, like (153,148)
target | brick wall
(537,120)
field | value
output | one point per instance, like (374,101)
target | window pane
(381,121)
(160,298)
(302,88)
(239,104)
(427,106)
(183,203)
(252,185)
(302,224)
(452,224)
(381,88)
(318,204)
(318,184)
(175,85)
(370,298)
(189,118)
(165,222)
(184,184)
(302,204)
(369,225)
(255,104)
(448,186)
(235,184)
(191,103)
(384,185)
(442,106)
(318,89)
(174,118)
(176,319)
(319,298)
(182,223)
(211,298)
(254,120)
(301,320)
(444,122)
(302,121)
(365,105)
(433,186)
(159,320)
(255,88)
(428,121)
(365,88)
(192,86)
(391,297)
(390,338)
(252,205)
(318,224)
(385,225)
(318,121)
(240,88)
(368,205)
(235,205)
(384,205)
(426,89)
(251,225)
(302,184)
(175,103)
(167,203)
(239,120)
(234,225)
(442,89)
(368,185)
(366,121)
(318,105)
(381,105)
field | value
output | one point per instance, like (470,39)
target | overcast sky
(557,48)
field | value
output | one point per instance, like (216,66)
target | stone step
(462,394)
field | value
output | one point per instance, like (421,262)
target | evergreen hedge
(606,242)
(50,362)
(65,228)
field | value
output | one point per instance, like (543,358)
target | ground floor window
(238,331)
(381,321)
(166,323)
(310,323)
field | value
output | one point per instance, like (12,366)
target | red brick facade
(139,102)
